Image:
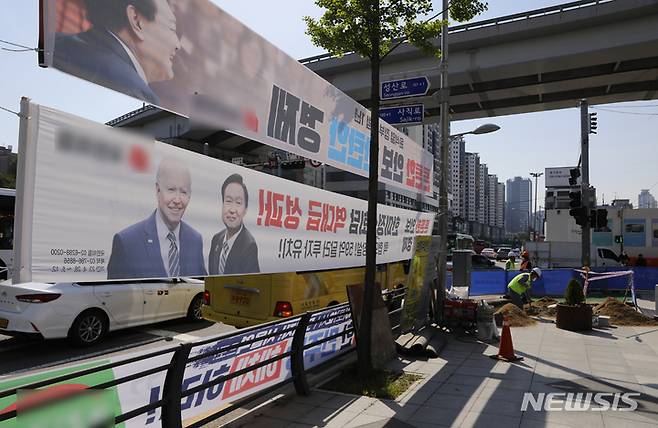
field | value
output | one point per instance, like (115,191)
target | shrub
(574,293)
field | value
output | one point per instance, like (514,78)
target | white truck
(557,254)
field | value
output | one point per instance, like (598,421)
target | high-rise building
(492,187)
(500,205)
(646,200)
(519,197)
(471,185)
(483,194)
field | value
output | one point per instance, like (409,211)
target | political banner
(191,57)
(101,203)
(234,353)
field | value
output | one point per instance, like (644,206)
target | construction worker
(511,259)
(519,286)
(525,261)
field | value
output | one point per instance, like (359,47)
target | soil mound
(622,314)
(541,307)
(516,317)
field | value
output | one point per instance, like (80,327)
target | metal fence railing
(302,344)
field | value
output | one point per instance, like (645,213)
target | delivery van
(246,300)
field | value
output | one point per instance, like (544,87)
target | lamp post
(443,198)
(534,219)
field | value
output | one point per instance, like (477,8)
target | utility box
(461,268)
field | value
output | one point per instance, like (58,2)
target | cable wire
(624,112)
(23,48)
(10,111)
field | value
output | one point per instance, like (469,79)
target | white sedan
(85,312)
(489,252)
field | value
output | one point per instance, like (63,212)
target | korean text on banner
(113,205)
(191,57)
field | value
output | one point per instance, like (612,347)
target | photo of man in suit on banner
(162,245)
(130,45)
(234,249)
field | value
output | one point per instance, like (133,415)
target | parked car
(489,252)
(478,261)
(502,253)
(86,312)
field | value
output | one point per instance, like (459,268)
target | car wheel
(194,311)
(89,328)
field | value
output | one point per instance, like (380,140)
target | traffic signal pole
(584,186)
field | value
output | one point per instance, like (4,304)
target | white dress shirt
(132,57)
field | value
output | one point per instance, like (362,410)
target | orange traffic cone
(506,349)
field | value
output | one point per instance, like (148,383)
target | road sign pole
(443,184)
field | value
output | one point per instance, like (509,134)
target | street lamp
(482,129)
(443,199)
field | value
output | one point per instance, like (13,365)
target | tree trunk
(365,328)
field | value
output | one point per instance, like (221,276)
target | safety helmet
(511,254)
(537,272)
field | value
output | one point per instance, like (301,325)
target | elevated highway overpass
(544,59)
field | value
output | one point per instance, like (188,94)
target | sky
(623,155)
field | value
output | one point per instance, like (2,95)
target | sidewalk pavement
(465,388)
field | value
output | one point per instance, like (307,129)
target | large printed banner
(139,392)
(191,57)
(108,204)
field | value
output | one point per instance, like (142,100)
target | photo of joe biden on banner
(162,245)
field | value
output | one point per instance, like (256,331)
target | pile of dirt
(622,314)
(516,317)
(541,307)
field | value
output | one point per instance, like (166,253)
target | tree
(373,29)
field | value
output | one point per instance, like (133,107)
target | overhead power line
(624,112)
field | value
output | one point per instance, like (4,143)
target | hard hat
(511,254)
(537,272)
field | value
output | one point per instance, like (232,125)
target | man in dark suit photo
(131,44)
(234,249)
(162,245)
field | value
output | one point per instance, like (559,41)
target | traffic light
(592,123)
(577,210)
(581,214)
(575,199)
(601,218)
(575,173)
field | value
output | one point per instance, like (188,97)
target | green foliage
(573,295)
(379,384)
(347,25)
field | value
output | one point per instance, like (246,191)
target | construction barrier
(554,281)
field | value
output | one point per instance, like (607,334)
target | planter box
(574,318)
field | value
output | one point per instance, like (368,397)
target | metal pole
(535,220)
(584,186)
(443,185)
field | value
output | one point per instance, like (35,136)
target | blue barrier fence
(554,281)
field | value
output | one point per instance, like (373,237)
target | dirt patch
(622,314)
(516,317)
(541,307)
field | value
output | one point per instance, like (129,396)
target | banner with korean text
(191,57)
(108,204)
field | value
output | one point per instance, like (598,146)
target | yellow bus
(246,300)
